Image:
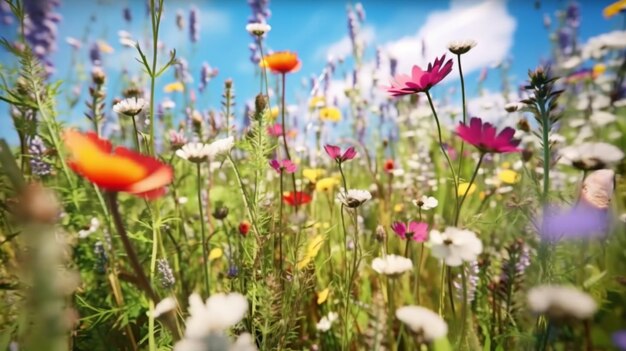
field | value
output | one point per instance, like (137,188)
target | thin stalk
(345,272)
(155,19)
(418,272)
(280,225)
(390,312)
(443,149)
(282,120)
(442,289)
(136,134)
(458,210)
(545,134)
(205,256)
(246,200)
(464,111)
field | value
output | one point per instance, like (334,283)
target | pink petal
(332,151)
(399,228)
(349,154)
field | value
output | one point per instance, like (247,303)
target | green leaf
(442,344)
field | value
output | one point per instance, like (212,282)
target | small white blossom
(602,118)
(426,203)
(455,245)
(326,322)
(244,342)
(218,313)
(94,224)
(460,47)
(514,106)
(422,321)
(221,147)
(194,152)
(560,301)
(130,107)
(392,265)
(164,306)
(353,198)
(588,156)
(258,29)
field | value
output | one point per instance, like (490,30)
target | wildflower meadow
(462,188)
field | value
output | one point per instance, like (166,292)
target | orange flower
(282,62)
(116,169)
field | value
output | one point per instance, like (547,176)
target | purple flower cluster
(40,29)
(471,274)
(181,71)
(6,16)
(582,221)
(260,14)
(37,150)
(194,25)
(206,74)
(166,275)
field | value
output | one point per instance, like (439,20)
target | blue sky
(504,30)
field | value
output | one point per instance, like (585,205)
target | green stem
(136,134)
(442,289)
(282,118)
(280,225)
(205,256)
(443,149)
(545,134)
(464,112)
(458,210)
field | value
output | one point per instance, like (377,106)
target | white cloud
(343,47)
(487,22)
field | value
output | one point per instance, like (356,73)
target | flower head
(282,62)
(619,337)
(417,231)
(296,198)
(194,152)
(130,107)
(426,203)
(454,245)
(326,322)
(353,198)
(420,81)
(591,156)
(392,265)
(460,47)
(275,130)
(330,113)
(561,302)
(116,169)
(326,184)
(483,136)
(258,29)
(166,305)
(283,166)
(335,153)
(428,325)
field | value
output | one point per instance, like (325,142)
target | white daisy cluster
(561,302)
(130,107)
(392,265)
(208,321)
(455,246)
(326,322)
(426,324)
(201,152)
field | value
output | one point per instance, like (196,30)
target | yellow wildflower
(312,249)
(317,101)
(331,114)
(215,254)
(509,176)
(104,47)
(598,69)
(274,112)
(322,296)
(313,173)
(614,8)
(398,207)
(505,165)
(463,187)
(326,184)
(171,87)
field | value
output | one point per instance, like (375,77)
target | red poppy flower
(282,62)
(244,228)
(297,198)
(116,169)
(389,166)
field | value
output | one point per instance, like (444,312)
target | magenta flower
(283,166)
(418,231)
(335,153)
(483,136)
(420,81)
(275,130)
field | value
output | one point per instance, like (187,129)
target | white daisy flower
(258,29)
(560,301)
(218,313)
(426,203)
(244,342)
(326,322)
(428,325)
(591,156)
(455,245)
(164,306)
(353,198)
(514,106)
(392,265)
(460,47)
(221,147)
(130,107)
(602,118)
(194,152)
(94,224)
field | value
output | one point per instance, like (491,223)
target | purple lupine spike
(128,17)
(5,13)
(40,28)
(471,274)
(194,25)
(379,56)
(181,71)
(393,66)
(360,11)
(572,15)
(166,275)
(94,55)
(37,150)
(206,74)
(353,25)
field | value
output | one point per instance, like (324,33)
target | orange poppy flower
(116,169)
(282,62)
(297,198)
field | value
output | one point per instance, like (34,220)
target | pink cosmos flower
(335,153)
(283,166)
(420,81)
(275,130)
(483,136)
(418,231)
